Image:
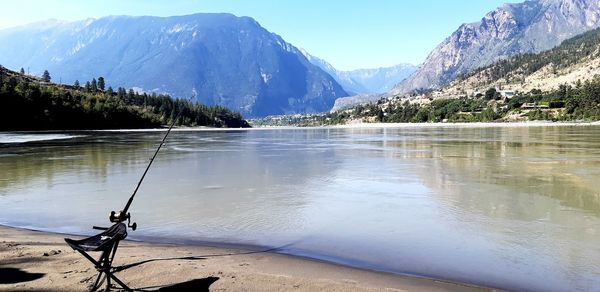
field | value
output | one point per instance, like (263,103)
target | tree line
(30,103)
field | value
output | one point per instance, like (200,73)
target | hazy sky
(349,34)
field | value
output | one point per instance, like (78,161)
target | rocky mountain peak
(528,27)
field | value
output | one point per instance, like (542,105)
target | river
(509,207)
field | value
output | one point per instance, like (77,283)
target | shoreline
(345,126)
(235,267)
(471,125)
(375,125)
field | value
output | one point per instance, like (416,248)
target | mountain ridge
(528,27)
(221,58)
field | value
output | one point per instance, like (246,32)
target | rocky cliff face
(219,58)
(528,27)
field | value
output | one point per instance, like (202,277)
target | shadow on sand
(13,276)
(202,284)
(129,266)
(201,257)
(199,285)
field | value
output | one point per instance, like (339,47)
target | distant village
(501,97)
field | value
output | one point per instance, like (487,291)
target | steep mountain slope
(532,26)
(574,61)
(222,59)
(365,81)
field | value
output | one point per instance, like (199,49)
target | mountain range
(529,27)
(232,61)
(220,59)
(365,81)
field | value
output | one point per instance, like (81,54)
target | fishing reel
(119,217)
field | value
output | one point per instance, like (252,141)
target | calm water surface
(514,208)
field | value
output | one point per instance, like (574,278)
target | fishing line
(123,215)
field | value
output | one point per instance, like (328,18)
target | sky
(349,34)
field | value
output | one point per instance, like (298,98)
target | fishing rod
(123,215)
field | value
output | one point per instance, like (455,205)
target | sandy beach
(39,261)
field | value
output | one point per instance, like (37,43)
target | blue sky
(349,34)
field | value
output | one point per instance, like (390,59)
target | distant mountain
(220,58)
(365,81)
(529,27)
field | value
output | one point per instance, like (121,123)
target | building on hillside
(477,94)
(437,93)
(529,105)
(507,93)
(534,105)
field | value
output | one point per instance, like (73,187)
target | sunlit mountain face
(220,59)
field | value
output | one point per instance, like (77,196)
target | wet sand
(40,261)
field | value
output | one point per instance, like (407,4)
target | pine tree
(76,84)
(101,83)
(22,71)
(46,76)
(131,95)
(380,115)
(121,93)
(94,85)
(88,86)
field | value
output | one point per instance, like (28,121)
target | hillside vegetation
(574,61)
(30,103)
(576,50)
(579,103)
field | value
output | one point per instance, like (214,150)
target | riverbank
(39,261)
(373,125)
(468,125)
(344,126)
